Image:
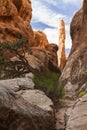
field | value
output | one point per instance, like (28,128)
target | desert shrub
(81,94)
(50,84)
(14,68)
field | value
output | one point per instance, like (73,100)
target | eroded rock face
(40,39)
(15,19)
(78,27)
(74,76)
(61,44)
(16,112)
(75,29)
(78,118)
(44,59)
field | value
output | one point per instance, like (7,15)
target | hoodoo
(61,42)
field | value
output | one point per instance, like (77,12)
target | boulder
(74,75)
(78,117)
(37,98)
(17,84)
(17,112)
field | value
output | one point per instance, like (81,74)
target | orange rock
(7,8)
(61,51)
(15,16)
(40,39)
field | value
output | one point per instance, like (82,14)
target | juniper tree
(14,67)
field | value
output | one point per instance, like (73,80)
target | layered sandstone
(61,43)
(40,39)
(74,76)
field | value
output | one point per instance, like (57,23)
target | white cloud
(42,13)
(68,41)
(52,35)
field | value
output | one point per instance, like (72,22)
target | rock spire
(61,42)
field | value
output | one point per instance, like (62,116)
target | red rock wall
(15,16)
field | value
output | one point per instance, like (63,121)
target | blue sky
(47,13)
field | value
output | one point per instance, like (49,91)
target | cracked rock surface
(24,108)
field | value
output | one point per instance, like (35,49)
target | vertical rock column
(61,43)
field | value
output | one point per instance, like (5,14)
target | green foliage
(11,69)
(13,46)
(49,83)
(81,94)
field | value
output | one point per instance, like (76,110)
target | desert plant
(50,84)
(81,94)
(15,68)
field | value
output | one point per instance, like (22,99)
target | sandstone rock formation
(42,59)
(61,43)
(74,76)
(75,29)
(78,117)
(15,19)
(40,39)
(24,110)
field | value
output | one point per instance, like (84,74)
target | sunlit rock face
(75,29)
(61,43)
(15,19)
(74,76)
(40,39)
